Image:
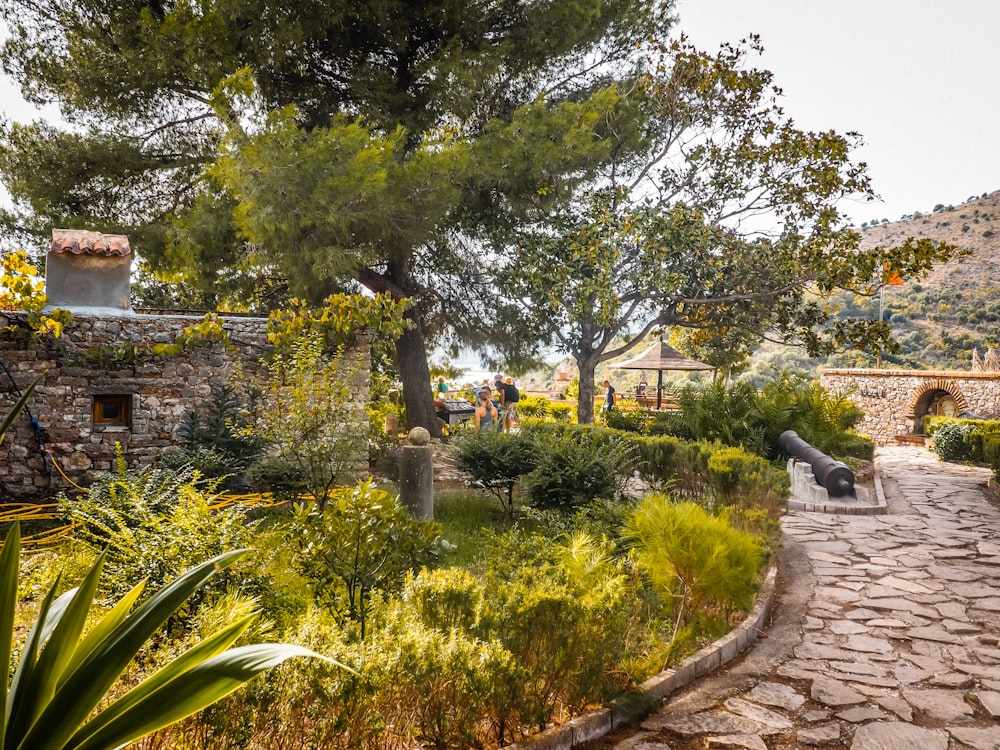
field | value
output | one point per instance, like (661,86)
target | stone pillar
(416,475)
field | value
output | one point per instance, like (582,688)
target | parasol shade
(661,356)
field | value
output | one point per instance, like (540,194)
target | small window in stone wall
(112,410)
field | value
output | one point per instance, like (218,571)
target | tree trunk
(415,373)
(585,404)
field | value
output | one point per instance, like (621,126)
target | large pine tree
(257,148)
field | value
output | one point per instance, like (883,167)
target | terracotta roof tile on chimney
(82,242)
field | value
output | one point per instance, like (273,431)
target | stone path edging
(595,724)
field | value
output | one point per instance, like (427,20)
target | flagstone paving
(886,634)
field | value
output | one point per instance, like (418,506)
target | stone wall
(895,401)
(86,365)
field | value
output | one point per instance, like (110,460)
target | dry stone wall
(91,362)
(895,401)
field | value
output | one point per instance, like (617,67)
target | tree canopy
(262,148)
(730,221)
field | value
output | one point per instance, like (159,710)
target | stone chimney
(88,273)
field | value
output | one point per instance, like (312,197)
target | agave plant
(64,675)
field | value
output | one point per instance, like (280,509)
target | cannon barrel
(830,473)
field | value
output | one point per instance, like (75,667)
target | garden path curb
(628,708)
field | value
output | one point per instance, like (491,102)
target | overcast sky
(917,78)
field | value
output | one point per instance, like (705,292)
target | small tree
(308,417)
(496,461)
(693,557)
(359,542)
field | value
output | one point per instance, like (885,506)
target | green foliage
(692,557)
(714,474)
(956,439)
(360,542)
(548,618)
(991,453)
(739,414)
(211,330)
(732,470)
(313,428)
(336,322)
(58,695)
(533,407)
(219,441)
(562,413)
(950,441)
(575,465)
(496,460)
(629,421)
(153,524)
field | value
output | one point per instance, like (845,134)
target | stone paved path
(886,637)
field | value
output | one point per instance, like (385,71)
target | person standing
(609,397)
(509,396)
(487,417)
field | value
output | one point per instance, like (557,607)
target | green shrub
(627,421)
(496,460)
(307,419)
(991,453)
(563,413)
(971,431)
(446,599)
(361,541)
(217,440)
(533,407)
(575,465)
(154,524)
(950,441)
(738,415)
(694,558)
(852,445)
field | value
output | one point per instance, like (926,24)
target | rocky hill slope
(938,320)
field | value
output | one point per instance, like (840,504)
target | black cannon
(830,473)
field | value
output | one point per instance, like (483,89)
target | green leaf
(9,565)
(189,692)
(84,689)
(16,411)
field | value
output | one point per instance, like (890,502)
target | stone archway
(928,395)
(895,401)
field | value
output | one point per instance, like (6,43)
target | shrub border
(632,706)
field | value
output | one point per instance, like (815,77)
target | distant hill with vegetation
(939,320)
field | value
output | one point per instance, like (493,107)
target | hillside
(938,320)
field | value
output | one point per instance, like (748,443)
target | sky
(916,78)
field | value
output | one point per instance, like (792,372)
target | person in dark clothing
(509,396)
(609,396)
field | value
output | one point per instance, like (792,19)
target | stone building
(895,402)
(101,385)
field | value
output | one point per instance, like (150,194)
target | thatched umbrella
(661,356)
